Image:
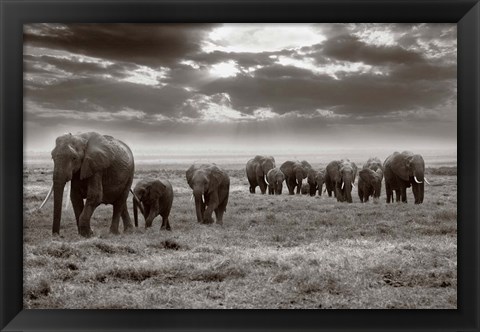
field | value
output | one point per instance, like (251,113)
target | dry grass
(272,252)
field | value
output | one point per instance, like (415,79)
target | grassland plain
(272,251)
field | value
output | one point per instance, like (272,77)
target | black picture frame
(466,13)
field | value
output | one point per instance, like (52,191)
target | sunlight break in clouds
(261,37)
(224,69)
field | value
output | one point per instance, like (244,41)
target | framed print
(276,157)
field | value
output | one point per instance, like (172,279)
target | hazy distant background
(190,90)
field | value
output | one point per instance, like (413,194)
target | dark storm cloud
(35,63)
(147,44)
(86,94)
(355,94)
(350,48)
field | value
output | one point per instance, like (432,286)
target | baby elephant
(369,184)
(153,197)
(275,178)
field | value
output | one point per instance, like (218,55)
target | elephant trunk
(348,191)
(58,187)
(418,176)
(199,204)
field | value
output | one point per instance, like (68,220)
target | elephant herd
(100,170)
(400,170)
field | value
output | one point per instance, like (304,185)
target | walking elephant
(369,184)
(370,179)
(211,186)
(257,170)
(100,169)
(275,178)
(315,180)
(154,197)
(295,172)
(403,170)
(340,179)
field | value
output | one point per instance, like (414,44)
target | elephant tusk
(265,177)
(46,198)
(191,198)
(353,186)
(343,184)
(416,180)
(425,179)
(67,200)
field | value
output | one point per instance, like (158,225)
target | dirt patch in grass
(169,244)
(58,250)
(398,278)
(37,289)
(127,274)
(113,249)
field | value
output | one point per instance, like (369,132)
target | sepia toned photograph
(240,166)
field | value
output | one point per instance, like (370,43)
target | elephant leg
(299,187)
(117,211)
(165,224)
(262,185)
(211,203)
(252,189)
(77,203)
(127,222)
(338,193)
(397,196)
(389,192)
(222,206)
(404,194)
(94,198)
(291,187)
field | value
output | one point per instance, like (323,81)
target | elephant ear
(259,169)
(155,190)
(98,156)
(379,173)
(189,175)
(400,165)
(140,192)
(367,175)
(338,175)
(216,178)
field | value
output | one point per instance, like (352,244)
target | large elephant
(315,180)
(369,184)
(340,179)
(154,197)
(211,186)
(257,170)
(275,178)
(402,170)
(295,172)
(100,169)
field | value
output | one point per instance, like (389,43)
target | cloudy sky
(242,87)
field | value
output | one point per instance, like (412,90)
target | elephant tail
(135,211)
(136,205)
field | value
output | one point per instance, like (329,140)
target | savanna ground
(272,251)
